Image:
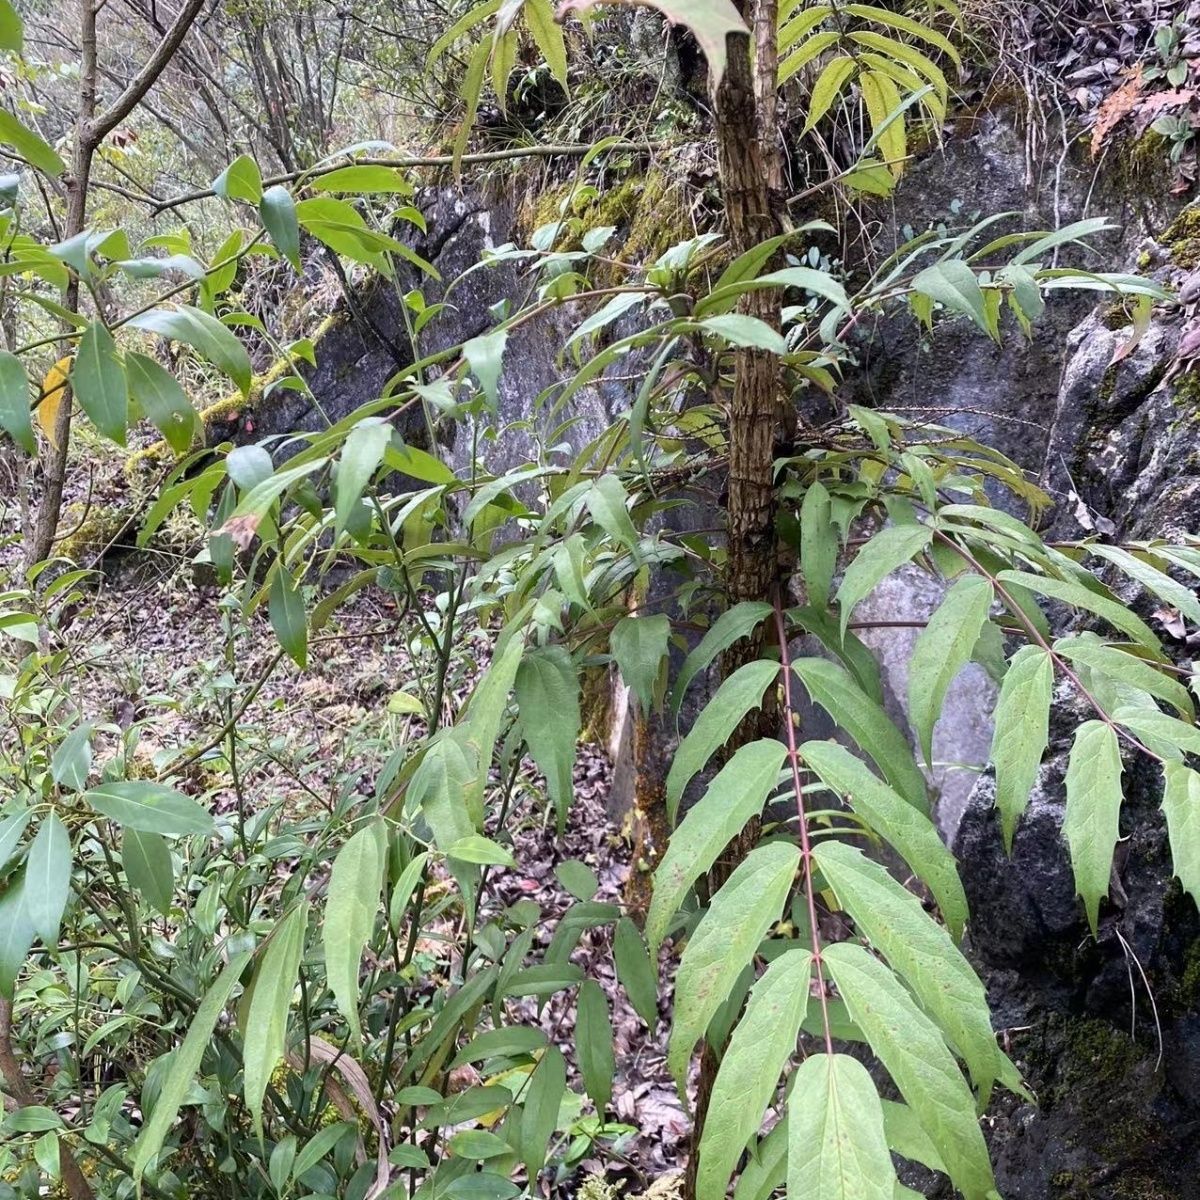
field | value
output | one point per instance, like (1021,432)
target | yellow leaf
(54,387)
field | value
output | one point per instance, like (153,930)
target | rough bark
(760,421)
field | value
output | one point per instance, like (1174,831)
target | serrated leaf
(885,108)
(1171,736)
(548,36)
(1021,732)
(736,794)
(911,833)
(836,1144)
(539,1115)
(185,1062)
(149,808)
(48,878)
(547,693)
(831,686)
(726,939)
(639,645)
(146,858)
(98,378)
(738,695)
(766,1167)
(607,501)
(910,1046)
(828,87)
(15,417)
(1181,807)
(761,1046)
(637,974)
(1092,818)
(818,545)
(888,550)
(265,1033)
(942,650)
(594,1044)
(1116,663)
(906,1137)
(1075,594)
(730,627)
(920,951)
(351,907)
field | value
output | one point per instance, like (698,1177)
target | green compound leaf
(1091,822)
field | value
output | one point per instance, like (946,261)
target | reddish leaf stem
(805,846)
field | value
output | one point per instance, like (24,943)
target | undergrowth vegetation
(236,961)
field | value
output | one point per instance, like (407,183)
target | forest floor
(152,651)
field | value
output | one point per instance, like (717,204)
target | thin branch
(145,79)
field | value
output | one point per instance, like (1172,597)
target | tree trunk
(761,423)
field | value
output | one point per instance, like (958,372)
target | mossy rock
(233,413)
(1182,238)
(92,531)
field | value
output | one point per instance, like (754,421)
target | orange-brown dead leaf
(1115,107)
(242,529)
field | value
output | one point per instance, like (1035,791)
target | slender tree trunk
(90,131)
(18,1088)
(761,419)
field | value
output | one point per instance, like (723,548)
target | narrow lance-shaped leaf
(911,1048)
(730,627)
(361,456)
(740,693)
(48,878)
(638,975)
(98,378)
(1181,806)
(1092,819)
(16,933)
(15,417)
(726,939)
(920,950)
(185,1062)
(539,1116)
(1022,730)
(265,1034)
(594,1044)
(911,833)
(836,1144)
(547,692)
(736,794)
(285,606)
(146,858)
(355,883)
(889,549)
(942,650)
(149,808)
(832,687)
(278,212)
(761,1045)
(1119,663)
